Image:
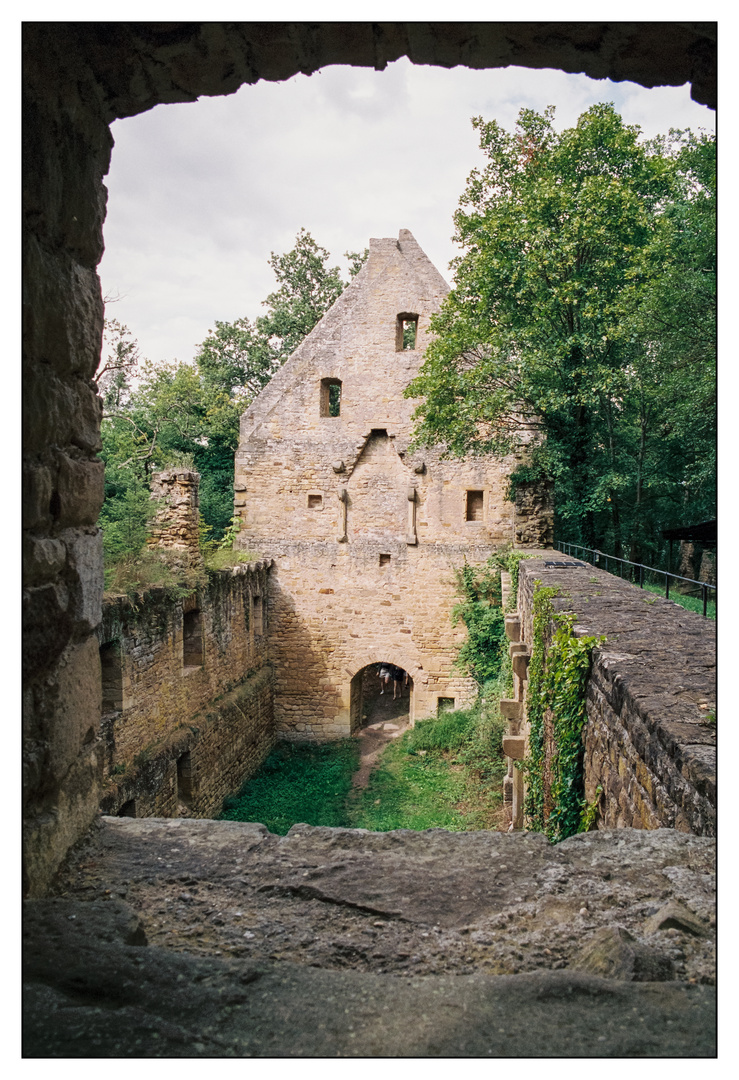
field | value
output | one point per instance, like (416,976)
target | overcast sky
(201,193)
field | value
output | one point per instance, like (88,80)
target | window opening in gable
(315,502)
(475,505)
(330,397)
(184,779)
(192,640)
(406,331)
(444,704)
(384,560)
(112,673)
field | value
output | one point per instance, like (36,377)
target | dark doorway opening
(373,700)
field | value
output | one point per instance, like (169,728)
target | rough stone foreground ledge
(331,942)
(649,742)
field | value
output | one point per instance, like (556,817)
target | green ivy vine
(558,675)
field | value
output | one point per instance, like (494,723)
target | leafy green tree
(539,347)
(180,413)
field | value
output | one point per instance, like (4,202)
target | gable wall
(333,603)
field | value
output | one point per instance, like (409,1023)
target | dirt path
(386,720)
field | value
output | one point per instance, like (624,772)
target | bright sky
(202,193)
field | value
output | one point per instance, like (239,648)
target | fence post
(641,577)
(667,586)
(704,590)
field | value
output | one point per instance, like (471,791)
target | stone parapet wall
(650,738)
(172,661)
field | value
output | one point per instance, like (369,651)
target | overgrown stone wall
(650,736)
(187,727)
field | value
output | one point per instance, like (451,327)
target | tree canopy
(581,329)
(188,413)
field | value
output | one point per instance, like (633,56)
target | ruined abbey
(356,540)
(151,929)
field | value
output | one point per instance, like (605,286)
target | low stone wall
(188,698)
(650,738)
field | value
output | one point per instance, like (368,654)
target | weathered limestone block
(511,710)
(513,627)
(514,746)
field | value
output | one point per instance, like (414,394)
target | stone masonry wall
(650,738)
(218,710)
(366,532)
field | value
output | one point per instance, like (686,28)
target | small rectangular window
(384,560)
(475,505)
(192,640)
(330,397)
(444,704)
(315,502)
(406,331)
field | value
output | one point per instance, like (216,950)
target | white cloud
(201,193)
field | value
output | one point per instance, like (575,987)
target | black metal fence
(638,573)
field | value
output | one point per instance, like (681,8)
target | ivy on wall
(558,675)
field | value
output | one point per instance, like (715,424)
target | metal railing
(600,559)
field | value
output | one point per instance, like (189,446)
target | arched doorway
(381,693)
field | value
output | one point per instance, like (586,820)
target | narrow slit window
(384,560)
(184,779)
(475,505)
(315,502)
(258,615)
(192,640)
(444,705)
(406,331)
(330,397)
(112,673)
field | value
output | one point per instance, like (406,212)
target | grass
(168,568)
(446,773)
(299,782)
(690,603)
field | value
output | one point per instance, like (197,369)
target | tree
(541,335)
(182,413)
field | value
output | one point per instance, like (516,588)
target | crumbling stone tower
(365,534)
(177,521)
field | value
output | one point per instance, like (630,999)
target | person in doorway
(385,675)
(398,674)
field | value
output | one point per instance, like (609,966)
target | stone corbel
(411,537)
(344,500)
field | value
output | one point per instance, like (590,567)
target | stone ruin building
(619,957)
(365,533)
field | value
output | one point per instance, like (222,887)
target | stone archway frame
(393,654)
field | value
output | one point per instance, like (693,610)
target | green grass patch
(446,773)
(690,603)
(409,791)
(299,782)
